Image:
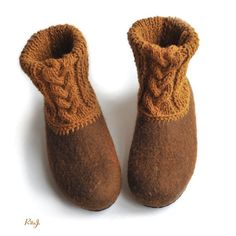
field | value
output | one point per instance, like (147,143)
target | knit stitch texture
(162,49)
(56,60)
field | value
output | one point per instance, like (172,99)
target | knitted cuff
(56,60)
(162,48)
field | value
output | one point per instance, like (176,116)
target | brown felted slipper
(163,152)
(81,153)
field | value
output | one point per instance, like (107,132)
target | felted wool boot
(81,153)
(163,152)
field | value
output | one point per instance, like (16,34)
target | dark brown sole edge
(74,202)
(157,207)
(102,208)
(71,200)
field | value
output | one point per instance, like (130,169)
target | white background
(208,206)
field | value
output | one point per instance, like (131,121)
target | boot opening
(61,43)
(163,32)
(170,35)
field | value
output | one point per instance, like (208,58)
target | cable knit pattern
(162,48)
(56,60)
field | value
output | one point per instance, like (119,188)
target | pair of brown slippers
(81,153)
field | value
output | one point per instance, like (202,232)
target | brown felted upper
(162,158)
(164,147)
(85,165)
(81,153)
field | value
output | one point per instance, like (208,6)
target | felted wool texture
(81,153)
(162,158)
(85,165)
(164,148)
